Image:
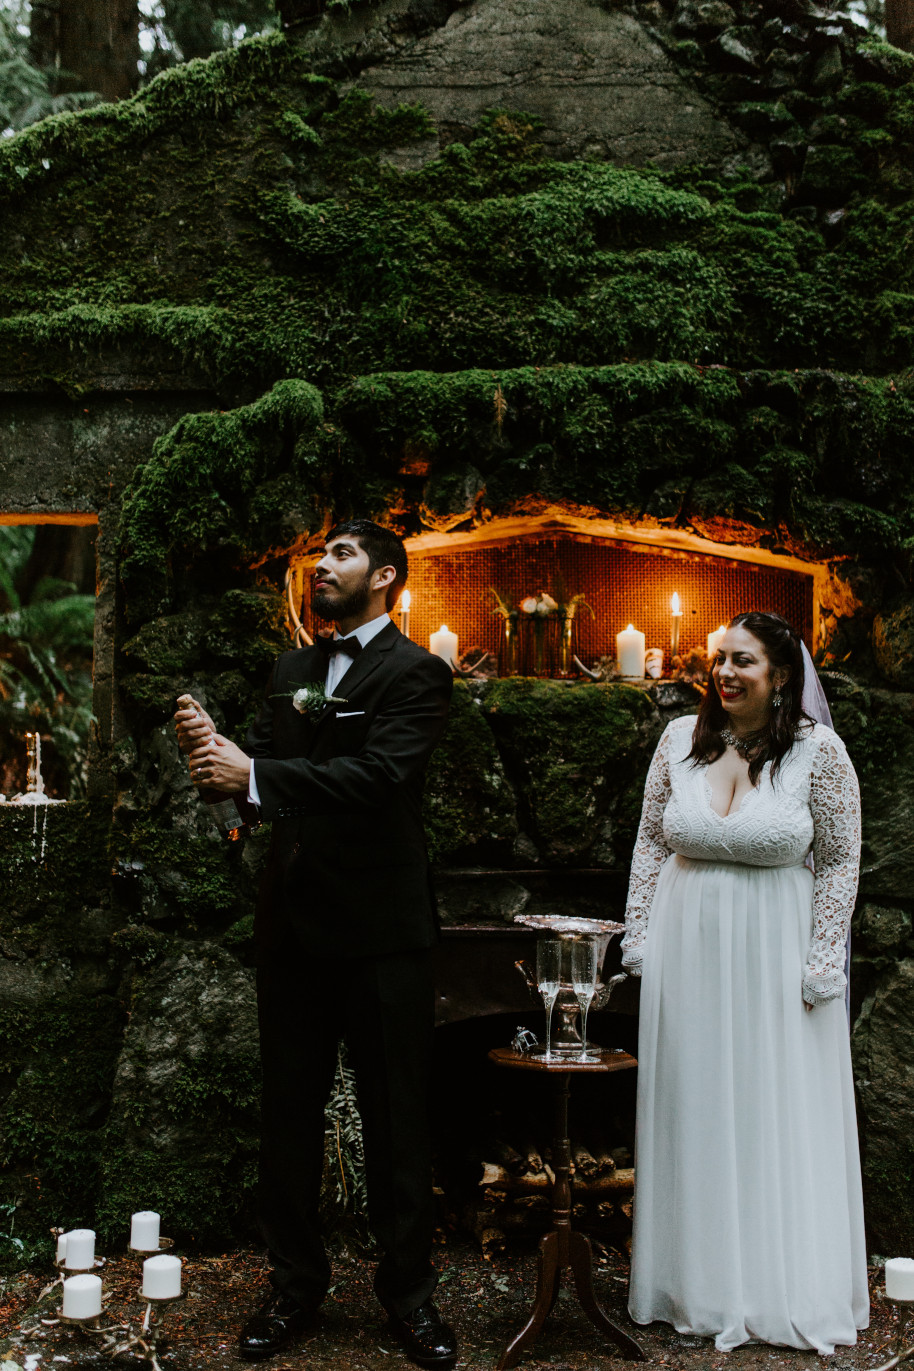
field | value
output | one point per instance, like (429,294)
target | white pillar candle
(161,1277)
(144,1231)
(443,644)
(80,1249)
(630,652)
(82,1297)
(61,1247)
(899,1278)
(714,641)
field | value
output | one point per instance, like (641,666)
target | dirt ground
(486,1301)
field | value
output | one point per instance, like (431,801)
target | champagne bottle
(222,807)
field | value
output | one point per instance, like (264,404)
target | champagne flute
(548,980)
(584,971)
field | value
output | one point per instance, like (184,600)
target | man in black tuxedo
(345,923)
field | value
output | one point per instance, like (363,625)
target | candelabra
(899,1288)
(82,1290)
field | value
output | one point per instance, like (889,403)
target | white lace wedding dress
(748,1206)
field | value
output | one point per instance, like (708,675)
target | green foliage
(58,1055)
(45,668)
(25,92)
(181,30)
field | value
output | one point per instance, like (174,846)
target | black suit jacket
(348,868)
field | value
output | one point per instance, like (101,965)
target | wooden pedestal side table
(563,1248)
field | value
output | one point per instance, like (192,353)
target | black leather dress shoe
(278,1320)
(425,1337)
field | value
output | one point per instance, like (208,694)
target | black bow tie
(331,646)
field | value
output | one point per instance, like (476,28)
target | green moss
(573,751)
(198,1203)
(46,853)
(469,810)
(59,1051)
(219,483)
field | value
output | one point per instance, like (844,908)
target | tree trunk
(63,552)
(90,44)
(899,23)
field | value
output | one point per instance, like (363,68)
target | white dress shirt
(337,667)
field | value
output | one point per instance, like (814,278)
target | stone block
(893,644)
(630,105)
(883,1048)
(884,928)
(181,1136)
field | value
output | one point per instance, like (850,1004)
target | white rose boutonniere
(311,699)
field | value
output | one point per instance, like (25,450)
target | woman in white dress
(748,1206)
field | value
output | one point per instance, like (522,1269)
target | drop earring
(777,700)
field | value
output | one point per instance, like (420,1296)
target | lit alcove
(613,573)
(47,629)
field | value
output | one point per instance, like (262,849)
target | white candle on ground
(714,641)
(144,1231)
(161,1277)
(80,1249)
(630,652)
(82,1297)
(61,1247)
(899,1278)
(443,644)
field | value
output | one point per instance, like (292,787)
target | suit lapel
(368,660)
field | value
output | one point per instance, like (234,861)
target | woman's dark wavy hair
(783,649)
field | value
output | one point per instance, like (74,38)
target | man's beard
(342,606)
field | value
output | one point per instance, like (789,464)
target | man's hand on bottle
(219,765)
(194,725)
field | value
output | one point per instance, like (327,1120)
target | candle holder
(899,1291)
(903,1349)
(165,1245)
(118,1336)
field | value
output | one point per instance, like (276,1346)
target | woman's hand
(807,1006)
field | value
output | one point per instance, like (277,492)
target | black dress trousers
(383,1006)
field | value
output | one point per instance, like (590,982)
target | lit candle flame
(405,601)
(674,604)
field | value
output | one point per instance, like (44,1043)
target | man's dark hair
(383,546)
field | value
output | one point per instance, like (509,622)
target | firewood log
(534,1160)
(584,1162)
(508,1156)
(499,1178)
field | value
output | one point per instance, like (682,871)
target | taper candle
(405,602)
(676,612)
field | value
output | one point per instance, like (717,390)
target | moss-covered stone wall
(252,299)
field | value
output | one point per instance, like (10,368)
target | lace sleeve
(834,799)
(650,853)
